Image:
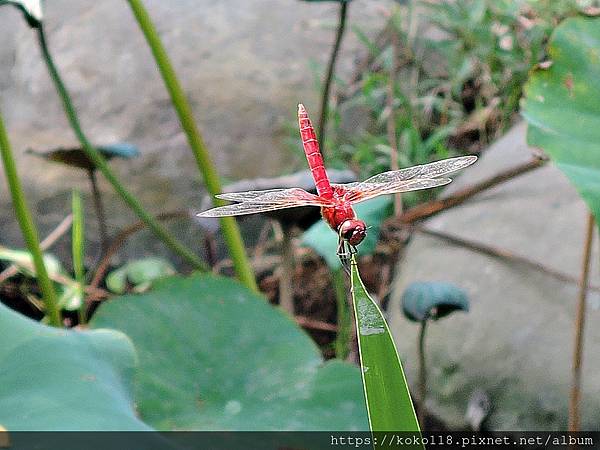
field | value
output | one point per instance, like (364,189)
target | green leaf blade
(388,399)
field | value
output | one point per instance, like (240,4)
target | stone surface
(244,64)
(516,342)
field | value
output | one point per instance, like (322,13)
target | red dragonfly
(336,200)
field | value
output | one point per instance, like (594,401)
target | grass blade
(78,249)
(231,232)
(389,405)
(28,228)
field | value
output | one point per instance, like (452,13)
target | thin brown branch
(504,254)
(100,214)
(120,240)
(322,128)
(575,397)
(312,324)
(392,133)
(430,208)
(48,242)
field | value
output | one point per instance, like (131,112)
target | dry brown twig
(502,253)
(48,242)
(120,240)
(428,209)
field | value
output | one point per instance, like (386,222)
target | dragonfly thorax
(353,231)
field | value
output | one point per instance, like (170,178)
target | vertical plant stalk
(231,232)
(575,398)
(422,375)
(101,164)
(30,234)
(344,318)
(100,214)
(391,120)
(286,290)
(78,250)
(330,71)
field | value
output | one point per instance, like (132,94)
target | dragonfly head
(353,231)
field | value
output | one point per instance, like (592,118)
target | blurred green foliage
(457,82)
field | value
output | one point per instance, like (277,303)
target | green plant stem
(422,375)
(78,249)
(230,229)
(575,397)
(30,234)
(330,71)
(101,164)
(344,319)
(100,215)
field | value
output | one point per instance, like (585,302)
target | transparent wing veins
(252,202)
(410,179)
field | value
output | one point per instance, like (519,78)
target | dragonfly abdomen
(313,154)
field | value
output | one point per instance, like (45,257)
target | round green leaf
(432,300)
(53,379)
(215,356)
(140,273)
(116,281)
(562,106)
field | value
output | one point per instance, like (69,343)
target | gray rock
(244,64)
(516,342)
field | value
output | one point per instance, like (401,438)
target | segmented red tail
(313,154)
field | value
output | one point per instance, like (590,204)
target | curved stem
(100,215)
(574,401)
(28,228)
(330,71)
(120,239)
(231,232)
(78,249)
(422,374)
(101,164)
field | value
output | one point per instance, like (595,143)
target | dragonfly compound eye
(354,231)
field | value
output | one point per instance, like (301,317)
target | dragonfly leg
(345,252)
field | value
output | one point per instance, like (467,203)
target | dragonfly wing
(240,209)
(277,195)
(431,170)
(245,196)
(393,187)
(261,201)
(410,179)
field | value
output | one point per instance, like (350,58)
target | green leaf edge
(357,281)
